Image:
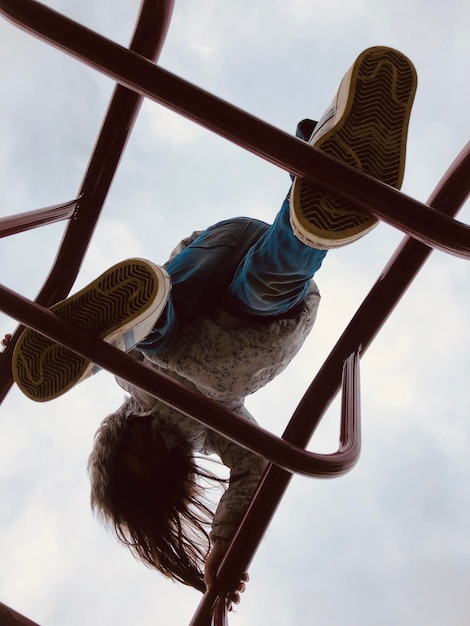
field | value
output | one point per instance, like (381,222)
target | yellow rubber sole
(368,131)
(121,297)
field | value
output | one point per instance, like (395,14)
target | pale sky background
(386,545)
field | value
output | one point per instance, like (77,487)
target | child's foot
(365,127)
(121,306)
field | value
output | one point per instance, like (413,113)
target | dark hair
(150,493)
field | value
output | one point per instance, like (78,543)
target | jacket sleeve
(246,471)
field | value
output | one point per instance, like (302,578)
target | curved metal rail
(148,39)
(408,259)
(9,617)
(14,224)
(249,132)
(180,397)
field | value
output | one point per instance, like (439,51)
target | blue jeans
(242,265)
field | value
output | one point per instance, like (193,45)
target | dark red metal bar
(133,71)
(13,224)
(378,305)
(147,40)
(219,614)
(266,500)
(9,617)
(408,259)
(180,397)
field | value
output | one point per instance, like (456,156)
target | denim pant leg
(275,274)
(200,276)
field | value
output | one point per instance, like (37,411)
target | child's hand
(6,339)
(213,561)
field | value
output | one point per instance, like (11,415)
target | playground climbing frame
(426,226)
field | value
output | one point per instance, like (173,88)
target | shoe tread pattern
(371,139)
(44,369)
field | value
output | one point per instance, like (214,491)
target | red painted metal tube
(148,39)
(410,256)
(219,614)
(266,500)
(13,224)
(395,279)
(285,151)
(178,396)
(9,617)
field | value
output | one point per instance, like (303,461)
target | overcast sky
(386,545)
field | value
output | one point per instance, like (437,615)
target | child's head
(144,485)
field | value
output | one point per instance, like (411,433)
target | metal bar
(351,403)
(219,614)
(9,617)
(147,40)
(131,70)
(266,500)
(410,256)
(13,224)
(178,396)
(395,279)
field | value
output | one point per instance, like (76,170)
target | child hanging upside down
(223,316)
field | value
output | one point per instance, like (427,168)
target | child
(224,316)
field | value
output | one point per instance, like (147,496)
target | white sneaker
(366,127)
(121,306)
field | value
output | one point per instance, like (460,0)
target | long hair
(145,484)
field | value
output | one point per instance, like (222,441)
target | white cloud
(170,128)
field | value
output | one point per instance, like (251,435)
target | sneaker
(366,127)
(305,129)
(121,306)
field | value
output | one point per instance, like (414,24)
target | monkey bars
(426,226)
